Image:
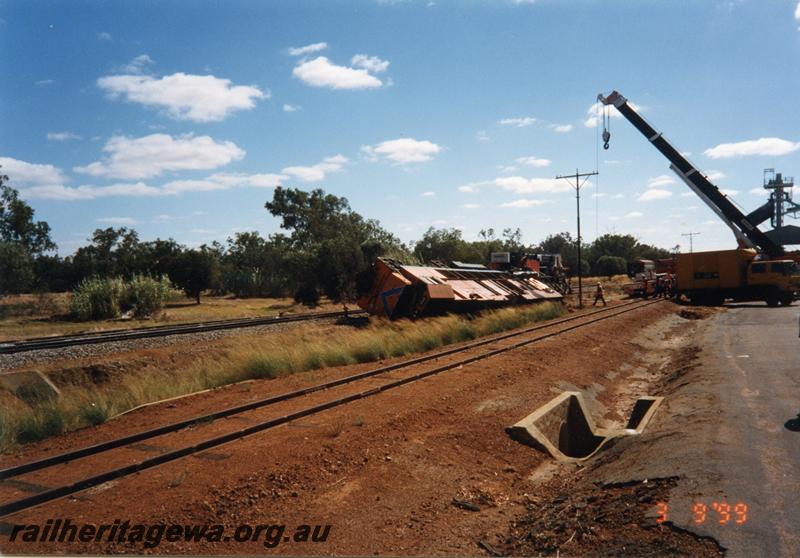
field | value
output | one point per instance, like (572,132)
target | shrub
(100,299)
(42,423)
(144,295)
(97,299)
(94,413)
(307,295)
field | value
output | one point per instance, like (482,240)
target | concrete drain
(564,429)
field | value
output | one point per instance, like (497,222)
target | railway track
(40,343)
(124,454)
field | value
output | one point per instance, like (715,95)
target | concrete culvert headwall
(564,429)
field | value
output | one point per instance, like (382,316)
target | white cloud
(61,192)
(600,195)
(149,156)
(729,192)
(687,194)
(660,180)
(117,220)
(403,150)
(470,188)
(762,146)
(756,191)
(633,214)
(562,128)
(24,173)
(220,181)
(62,136)
(308,49)
(184,96)
(104,36)
(470,205)
(715,175)
(291,108)
(137,65)
(654,194)
(45,82)
(321,72)
(520,122)
(506,169)
(428,194)
(534,161)
(619,196)
(523,203)
(521,185)
(370,63)
(317,172)
(797,12)
(482,135)
(595,113)
(223,181)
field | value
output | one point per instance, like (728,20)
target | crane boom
(746,231)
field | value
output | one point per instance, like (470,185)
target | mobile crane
(754,271)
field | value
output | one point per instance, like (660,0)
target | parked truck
(712,277)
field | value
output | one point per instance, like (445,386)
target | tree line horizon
(323,248)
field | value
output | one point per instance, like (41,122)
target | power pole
(578,185)
(691,236)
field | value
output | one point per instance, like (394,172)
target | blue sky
(178,118)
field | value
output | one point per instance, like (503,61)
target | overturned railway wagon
(407,290)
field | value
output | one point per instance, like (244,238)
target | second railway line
(110,336)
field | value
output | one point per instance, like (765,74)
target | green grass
(276,355)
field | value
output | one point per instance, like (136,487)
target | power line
(577,186)
(691,236)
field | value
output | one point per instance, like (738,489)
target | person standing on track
(599,295)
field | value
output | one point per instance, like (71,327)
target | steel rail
(238,409)
(173,427)
(83,484)
(40,343)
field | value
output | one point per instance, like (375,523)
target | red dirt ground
(399,473)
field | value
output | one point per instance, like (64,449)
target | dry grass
(46,314)
(280,353)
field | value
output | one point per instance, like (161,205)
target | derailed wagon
(408,290)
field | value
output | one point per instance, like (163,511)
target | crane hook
(606,138)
